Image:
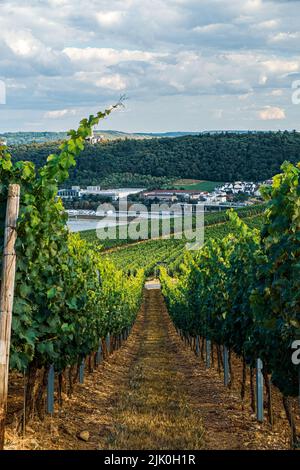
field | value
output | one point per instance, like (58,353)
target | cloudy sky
(183,64)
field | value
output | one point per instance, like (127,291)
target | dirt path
(151,394)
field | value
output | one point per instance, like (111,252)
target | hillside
(22,137)
(216,157)
(19,138)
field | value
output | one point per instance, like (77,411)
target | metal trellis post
(226,366)
(81,371)
(50,390)
(259,390)
(208,353)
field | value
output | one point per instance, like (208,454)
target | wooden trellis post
(7,296)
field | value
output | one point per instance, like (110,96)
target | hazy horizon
(153,132)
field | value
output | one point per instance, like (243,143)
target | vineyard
(241,292)
(151,254)
(77,299)
(67,298)
(210,219)
(131,255)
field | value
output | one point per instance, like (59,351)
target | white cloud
(251,6)
(271,113)
(276,93)
(90,58)
(59,113)
(262,79)
(213,28)
(268,24)
(22,43)
(59,3)
(109,18)
(65,54)
(284,36)
(276,65)
(246,96)
(111,82)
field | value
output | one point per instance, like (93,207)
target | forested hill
(217,157)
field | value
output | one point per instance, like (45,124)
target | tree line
(217,157)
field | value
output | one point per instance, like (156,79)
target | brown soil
(153,393)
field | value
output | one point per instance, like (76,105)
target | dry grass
(154,412)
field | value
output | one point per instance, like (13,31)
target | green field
(200,186)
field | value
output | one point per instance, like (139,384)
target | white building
(246,187)
(94,139)
(68,193)
(114,194)
(93,189)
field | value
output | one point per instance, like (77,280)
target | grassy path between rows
(154,411)
(151,394)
